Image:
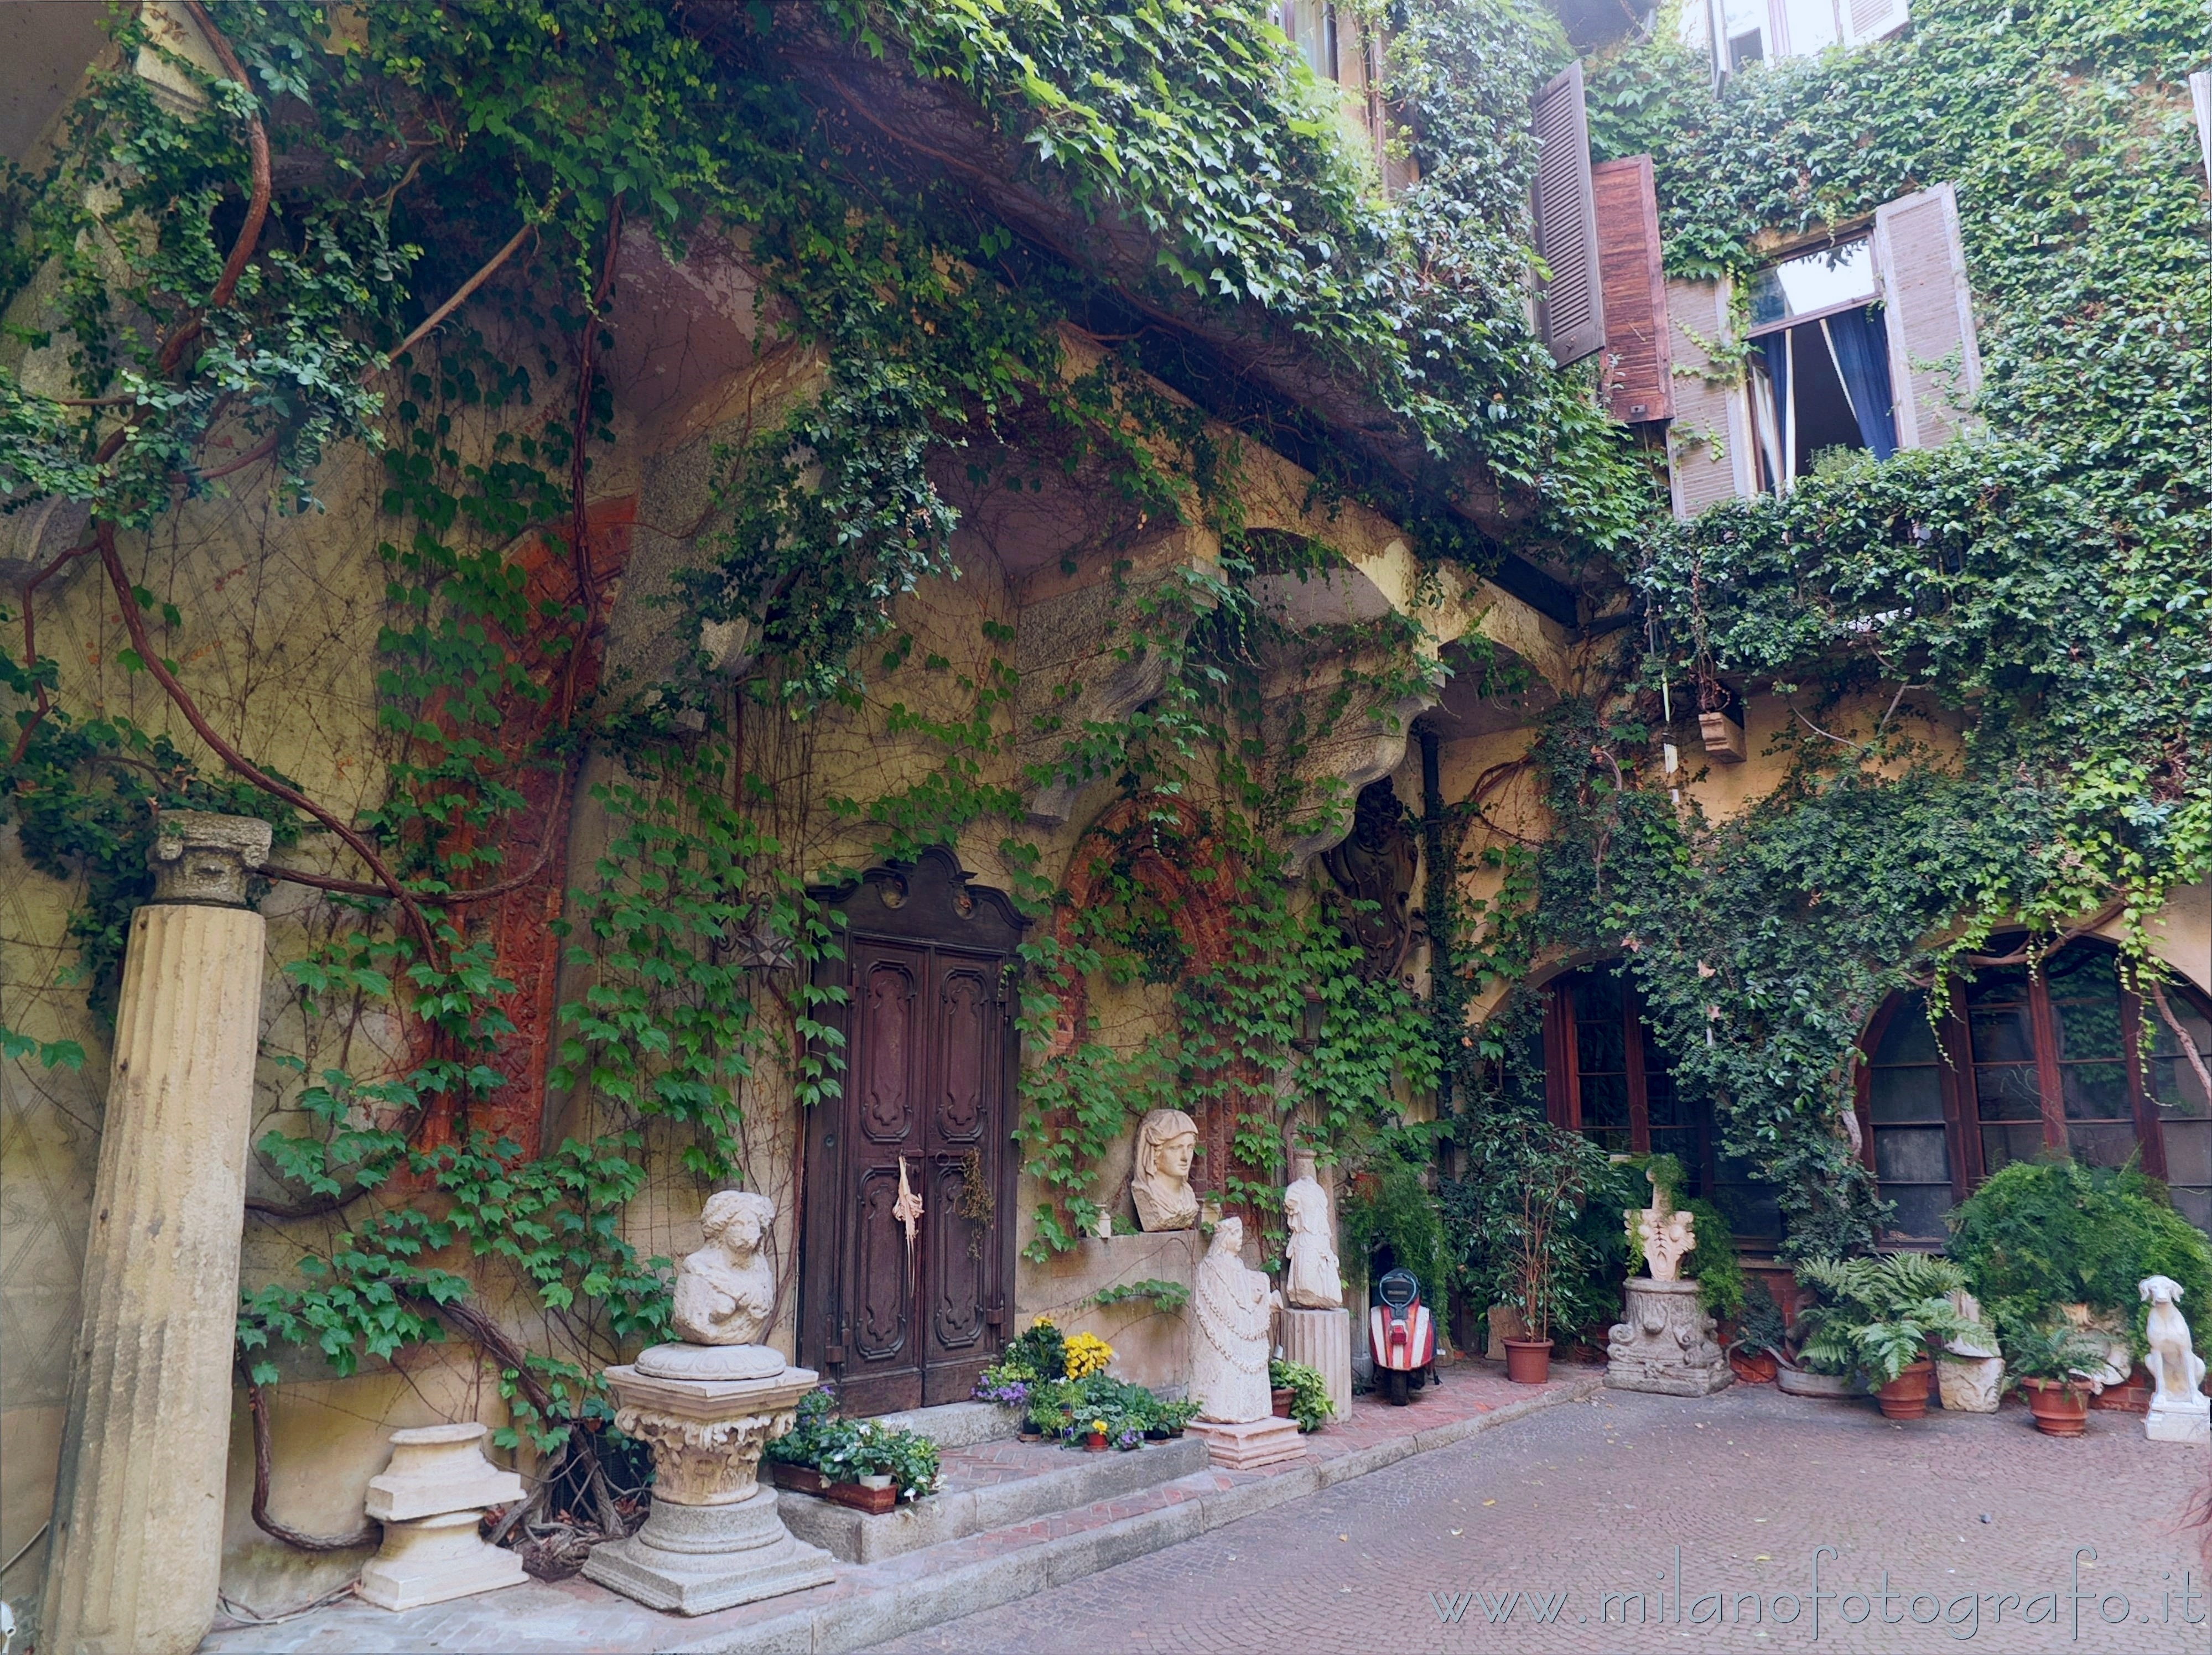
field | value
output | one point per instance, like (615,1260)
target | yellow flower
(1098,1425)
(1042,1321)
(1086,1354)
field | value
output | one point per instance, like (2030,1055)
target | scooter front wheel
(1400,1392)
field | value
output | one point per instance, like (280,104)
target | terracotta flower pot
(1752,1366)
(1282,1401)
(1095,1441)
(1905,1397)
(2060,1410)
(1527,1362)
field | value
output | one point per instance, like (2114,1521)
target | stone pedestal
(138,1499)
(1246,1447)
(1321,1339)
(1666,1344)
(2184,1424)
(713,1539)
(431,1499)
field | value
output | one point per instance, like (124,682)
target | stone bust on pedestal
(1160,1182)
(725,1291)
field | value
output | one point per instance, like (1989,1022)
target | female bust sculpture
(1160,1182)
(1229,1358)
(725,1291)
(1311,1276)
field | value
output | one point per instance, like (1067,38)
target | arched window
(1604,1077)
(2060,1061)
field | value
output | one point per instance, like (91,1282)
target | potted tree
(2050,1364)
(1881,1314)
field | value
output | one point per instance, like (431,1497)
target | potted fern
(1881,1314)
(2051,1364)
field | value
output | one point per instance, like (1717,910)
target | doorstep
(870,1602)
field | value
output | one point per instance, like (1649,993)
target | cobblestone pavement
(1561,1534)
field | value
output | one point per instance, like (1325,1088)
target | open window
(1338,45)
(1737,33)
(1604,1077)
(1864,342)
(2064,1061)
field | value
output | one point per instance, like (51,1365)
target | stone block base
(1666,1344)
(432,1560)
(1970,1385)
(694,1560)
(1321,1339)
(2184,1424)
(1245,1447)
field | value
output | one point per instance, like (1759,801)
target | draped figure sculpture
(1229,1358)
(1312,1276)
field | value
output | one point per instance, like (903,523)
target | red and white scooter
(1402,1336)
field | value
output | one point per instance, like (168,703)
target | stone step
(989,1485)
(958,1424)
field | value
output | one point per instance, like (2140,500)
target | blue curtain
(1862,351)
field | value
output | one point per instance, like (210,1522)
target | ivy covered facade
(839,598)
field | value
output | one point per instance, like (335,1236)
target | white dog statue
(2179,1411)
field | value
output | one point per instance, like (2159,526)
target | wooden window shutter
(1639,367)
(1570,306)
(1934,368)
(1708,445)
(1869,20)
(2200,93)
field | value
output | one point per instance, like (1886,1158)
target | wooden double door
(900,1314)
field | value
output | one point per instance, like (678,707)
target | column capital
(202,857)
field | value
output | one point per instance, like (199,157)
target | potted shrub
(1754,1349)
(2050,1364)
(1306,1394)
(1881,1314)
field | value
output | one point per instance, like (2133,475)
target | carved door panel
(966,1068)
(885,1091)
(927,1077)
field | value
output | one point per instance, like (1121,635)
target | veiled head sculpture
(1159,1183)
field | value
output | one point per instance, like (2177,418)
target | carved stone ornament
(429,1500)
(1160,1185)
(1374,865)
(201,858)
(1668,1236)
(725,1291)
(1665,1343)
(705,1461)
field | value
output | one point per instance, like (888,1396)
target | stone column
(1321,1339)
(138,1504)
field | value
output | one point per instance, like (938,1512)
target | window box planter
(805,1479)
(1803,1382)
(799,1479)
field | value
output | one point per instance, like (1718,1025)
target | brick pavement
(1591,1500)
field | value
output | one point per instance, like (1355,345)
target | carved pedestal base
(1247,1446)
(1666,1344)
(1970,1385)
(2189,1423)
(713,1539)
(1321,1339)
(429,1500)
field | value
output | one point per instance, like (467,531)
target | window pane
(1665,1105)
(2188,1152)
(2196,1206)
(1812,25)
(1998,1016)
(1908,1039)
(2008,1092)
(2084,986)
(1605,1102)
(1598,1048)
(1920,1210)
(1814,281)
(1900,1095)
(1752,1209)
(2098,1091)
(2107,1144)
(1911,1155)
(1613,1142)
(2002,1145)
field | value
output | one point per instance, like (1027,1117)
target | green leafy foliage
(1877,1314)
(1309,1405)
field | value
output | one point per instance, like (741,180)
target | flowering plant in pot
(1882,1311)
(2050,1362)
(1308,1392)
